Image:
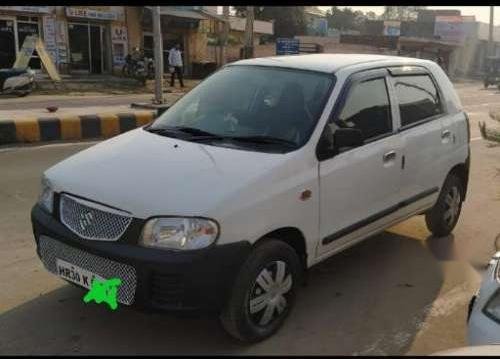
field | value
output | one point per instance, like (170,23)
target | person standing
(175,62)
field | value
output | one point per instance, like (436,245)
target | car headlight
(179,233)
(492,307)
(46,199)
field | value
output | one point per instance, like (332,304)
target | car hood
(151,175)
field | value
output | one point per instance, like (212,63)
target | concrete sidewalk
(28,120)
(91,125)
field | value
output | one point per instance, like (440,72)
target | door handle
(445,134)
(389,156)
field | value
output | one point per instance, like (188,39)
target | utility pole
(491,45)
(225,34)
(158,55)
(248,50)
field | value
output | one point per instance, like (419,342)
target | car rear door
(420,113)
(359,187)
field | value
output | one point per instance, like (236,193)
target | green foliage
(402,13)
(347,19)
(288,20)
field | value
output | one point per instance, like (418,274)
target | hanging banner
(49,35)
(61,41)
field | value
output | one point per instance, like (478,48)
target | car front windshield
(251,102)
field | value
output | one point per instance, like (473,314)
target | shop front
(17,22)
(90,34)
(179,26)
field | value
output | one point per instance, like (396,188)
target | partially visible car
(484,308)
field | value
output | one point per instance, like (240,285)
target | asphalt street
(399,292)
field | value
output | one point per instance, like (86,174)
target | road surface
(400,292)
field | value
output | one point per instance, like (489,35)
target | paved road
(89,100)
(399,292)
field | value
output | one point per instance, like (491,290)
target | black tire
(486,84)
(125,71)
(442,218)
(236,317)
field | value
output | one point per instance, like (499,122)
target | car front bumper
(162,280)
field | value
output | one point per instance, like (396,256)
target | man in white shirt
(175,62)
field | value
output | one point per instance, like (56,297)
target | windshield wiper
(194,131)
(181,132)
(263,139)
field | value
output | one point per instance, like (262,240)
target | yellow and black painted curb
(29,130)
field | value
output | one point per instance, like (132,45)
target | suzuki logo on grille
(86,220)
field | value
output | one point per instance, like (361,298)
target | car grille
(167,290)
(50,249)
(93,221)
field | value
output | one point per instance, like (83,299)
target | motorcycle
(138,68)
(16,81)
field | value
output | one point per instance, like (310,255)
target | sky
(482,13)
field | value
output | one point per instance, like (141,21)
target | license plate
(75,274)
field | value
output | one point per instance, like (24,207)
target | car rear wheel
(442,218)
(264,292)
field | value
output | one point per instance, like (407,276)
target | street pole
(225,34)
(158,55)
(490,35)
(249,33)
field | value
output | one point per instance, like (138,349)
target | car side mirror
(347,137)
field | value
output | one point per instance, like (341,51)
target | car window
(367,108)
(418,98)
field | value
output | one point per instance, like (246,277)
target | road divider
(46,129)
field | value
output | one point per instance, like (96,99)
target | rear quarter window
(418,98)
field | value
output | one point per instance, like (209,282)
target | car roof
(328,63)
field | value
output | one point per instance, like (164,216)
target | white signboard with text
(49,36)
(35,9)
(119,39)
(91,13)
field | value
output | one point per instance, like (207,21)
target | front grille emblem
(86,220)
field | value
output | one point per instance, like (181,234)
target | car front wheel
(264,292)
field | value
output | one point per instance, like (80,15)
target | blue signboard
(286,46)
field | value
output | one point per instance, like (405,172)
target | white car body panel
(249,193)
(482,329)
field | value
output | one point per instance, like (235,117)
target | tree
(402,13)
(345,19)
(370,15)
(288,20)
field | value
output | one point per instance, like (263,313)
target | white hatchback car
(266,168)
(484,308)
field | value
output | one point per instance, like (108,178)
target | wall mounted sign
(286,46)
(449,28)
(91,13)
(35,9)
(119,39)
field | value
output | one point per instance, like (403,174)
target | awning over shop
(187,14)
(421,42)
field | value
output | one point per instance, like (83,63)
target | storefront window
(87,45)
(8,43)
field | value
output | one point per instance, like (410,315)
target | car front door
(359,187)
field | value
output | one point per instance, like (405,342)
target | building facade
(80,39)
